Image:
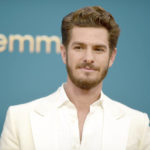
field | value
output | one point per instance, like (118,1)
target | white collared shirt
(92,129)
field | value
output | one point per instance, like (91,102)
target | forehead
(89,35)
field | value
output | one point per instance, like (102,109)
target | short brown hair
(94,16)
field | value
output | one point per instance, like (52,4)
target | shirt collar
(99,102)
(65,100)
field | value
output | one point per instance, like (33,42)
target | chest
(82,116)
(62,131)
(83,129)
(88,130)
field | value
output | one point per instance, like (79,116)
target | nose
(88,56)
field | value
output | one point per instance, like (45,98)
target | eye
(78,47)
(99,49)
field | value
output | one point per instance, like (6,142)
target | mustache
(88,65)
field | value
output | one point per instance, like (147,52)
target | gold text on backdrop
(34,43)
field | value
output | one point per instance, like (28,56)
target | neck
(82,98)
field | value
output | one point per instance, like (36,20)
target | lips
(88,67)
(88,70)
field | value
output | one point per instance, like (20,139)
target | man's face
(87,57)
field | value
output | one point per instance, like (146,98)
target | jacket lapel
(44,130)
(47,127)
(116,127)
(45,124)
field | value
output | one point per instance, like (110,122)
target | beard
(86,83)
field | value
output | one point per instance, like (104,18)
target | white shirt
(92,129)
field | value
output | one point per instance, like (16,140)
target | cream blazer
(27,126)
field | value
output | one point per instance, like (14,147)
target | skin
(88,45)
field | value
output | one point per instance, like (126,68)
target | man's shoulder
(128,111)
(36,103)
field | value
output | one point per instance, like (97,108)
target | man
(78,115)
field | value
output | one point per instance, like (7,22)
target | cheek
(103,62)
(101,59)
(73,59)
(70,61)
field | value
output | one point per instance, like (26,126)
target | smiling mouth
(88,69)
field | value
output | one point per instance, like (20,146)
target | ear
(112,57)
(63,53)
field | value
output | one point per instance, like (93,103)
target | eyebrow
(101,46)
(95,45)
(78,43)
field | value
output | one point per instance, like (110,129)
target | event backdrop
(30,62)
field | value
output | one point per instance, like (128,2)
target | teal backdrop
(27,76)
